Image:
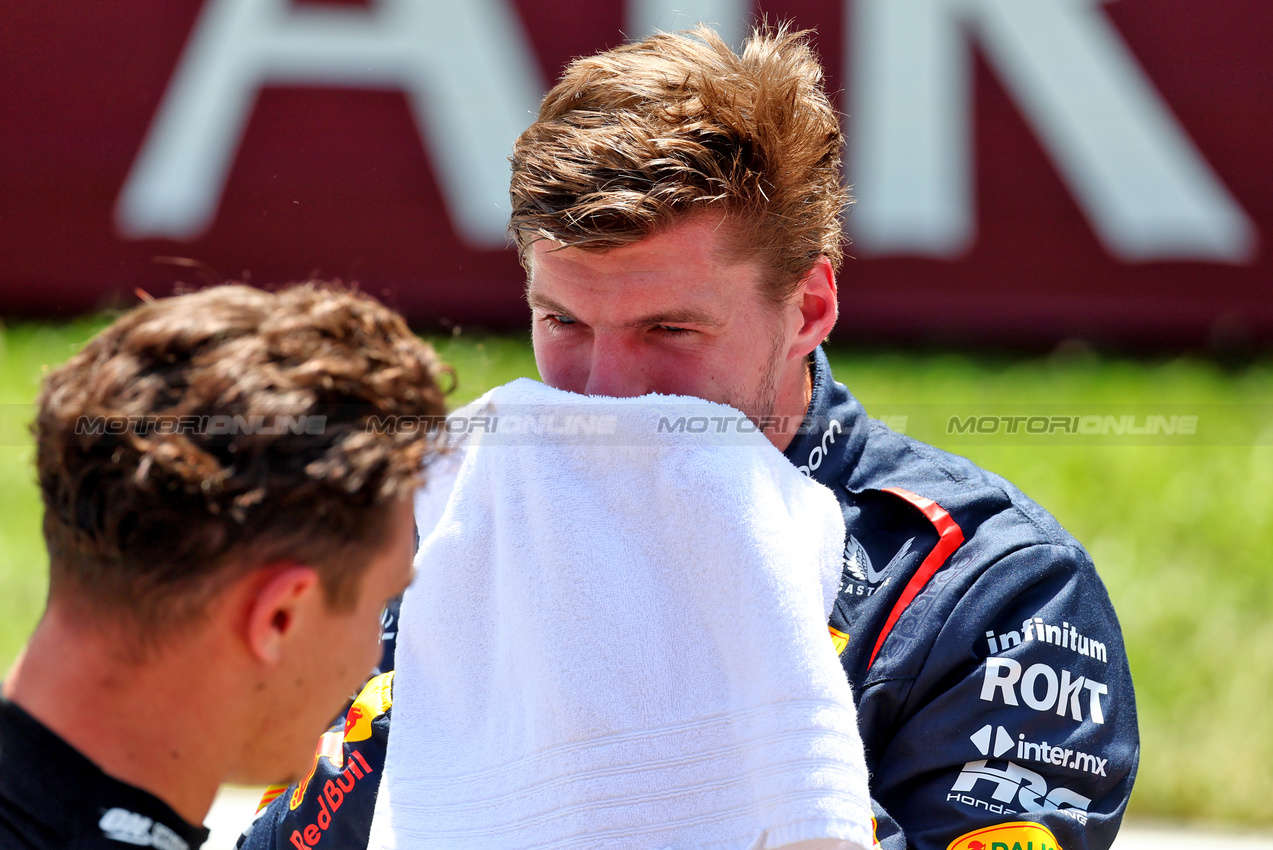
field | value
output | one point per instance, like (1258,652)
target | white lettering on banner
(1006,678)
(1142,183)
(1029,789)
(467,68)
(727,17)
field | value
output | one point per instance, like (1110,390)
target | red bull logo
(330,748)
(351,719)
(375,700)
(330,798)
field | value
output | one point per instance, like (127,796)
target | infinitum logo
(1041,752)
(1035,629)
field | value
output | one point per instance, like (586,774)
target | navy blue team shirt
(993,692)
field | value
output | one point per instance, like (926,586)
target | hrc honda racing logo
(1014,789)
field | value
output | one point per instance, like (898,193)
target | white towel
(617,637)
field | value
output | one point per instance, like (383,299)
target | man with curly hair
(225,520)
(678,208)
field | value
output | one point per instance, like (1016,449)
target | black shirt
(51,796)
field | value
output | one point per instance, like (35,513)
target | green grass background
(1182,534)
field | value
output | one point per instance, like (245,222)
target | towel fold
(617,637)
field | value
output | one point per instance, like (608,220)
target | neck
(159,724)
(795,392)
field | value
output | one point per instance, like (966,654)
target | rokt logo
(1005,677)
(1040,752)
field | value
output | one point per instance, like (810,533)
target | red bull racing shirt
(993,693)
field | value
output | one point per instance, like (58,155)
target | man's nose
(616,369)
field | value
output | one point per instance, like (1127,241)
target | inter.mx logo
(1013,785)
(997,742)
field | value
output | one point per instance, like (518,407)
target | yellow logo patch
(840,639)
(1016,835)
(374,701)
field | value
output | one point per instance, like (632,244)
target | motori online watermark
(1111,424)
(619,423)
(209,425)
(613,422)
(1091,424)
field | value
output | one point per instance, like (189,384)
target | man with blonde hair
(678,208)
(225,522)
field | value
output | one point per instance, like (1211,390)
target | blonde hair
(641,137)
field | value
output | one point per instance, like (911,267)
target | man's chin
(294,768)
(265,776)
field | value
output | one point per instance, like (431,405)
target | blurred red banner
(1026,172)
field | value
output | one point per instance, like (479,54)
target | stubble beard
(760,406)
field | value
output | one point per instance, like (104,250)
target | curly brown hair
(635,139)
(203,435)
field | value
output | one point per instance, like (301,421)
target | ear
(278,606)
(818,305)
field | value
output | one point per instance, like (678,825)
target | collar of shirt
(831,437)
(60,794)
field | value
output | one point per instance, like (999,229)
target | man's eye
(672,330)
(558,320)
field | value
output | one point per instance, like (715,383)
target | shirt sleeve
(1019,729)
(333,806)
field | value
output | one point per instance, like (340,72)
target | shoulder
(994,517)
(974,554)
(333,805)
